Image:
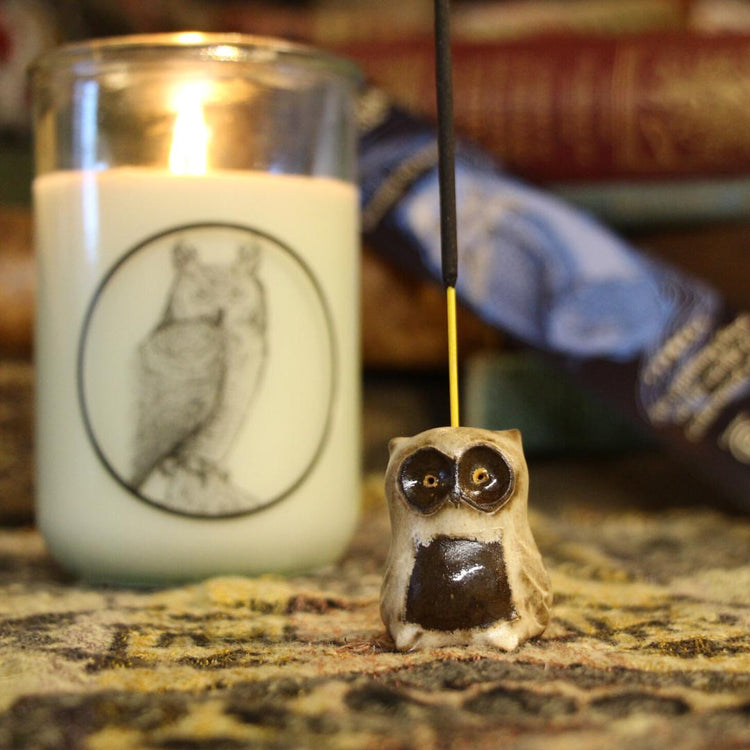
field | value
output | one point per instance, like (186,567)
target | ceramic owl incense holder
(463,567)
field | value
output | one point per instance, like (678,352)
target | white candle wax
(198,379)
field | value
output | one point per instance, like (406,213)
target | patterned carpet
(649,646)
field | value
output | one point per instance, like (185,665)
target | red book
(562,108)
(323,22)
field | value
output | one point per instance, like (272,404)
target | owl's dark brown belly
(458,584)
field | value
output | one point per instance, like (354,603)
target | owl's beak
(455,497)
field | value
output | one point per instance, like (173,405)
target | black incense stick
(447,180)
(446,143)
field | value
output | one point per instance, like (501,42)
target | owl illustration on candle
(197,373)
(463,567)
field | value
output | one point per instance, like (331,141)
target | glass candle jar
(196,221)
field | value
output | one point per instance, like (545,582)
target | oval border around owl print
(189,395)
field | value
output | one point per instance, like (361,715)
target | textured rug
(649,645)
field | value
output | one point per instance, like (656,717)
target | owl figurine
(463,567)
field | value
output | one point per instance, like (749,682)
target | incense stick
(447,180)
(452,355)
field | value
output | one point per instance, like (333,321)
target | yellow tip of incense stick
(452,355)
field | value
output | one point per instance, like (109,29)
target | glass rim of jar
(90,55)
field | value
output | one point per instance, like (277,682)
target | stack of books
(637,111)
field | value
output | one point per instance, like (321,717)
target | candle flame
(189,152)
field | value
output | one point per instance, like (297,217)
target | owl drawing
(198,371)
(463,567)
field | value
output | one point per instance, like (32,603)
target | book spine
(17,283)
(567,108)
(335,22)
(16,441)
(661,345)
(641,204)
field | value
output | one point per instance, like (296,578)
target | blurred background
(649,130)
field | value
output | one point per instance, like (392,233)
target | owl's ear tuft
(183,254)
(248,257)
(513,434)
(394,443)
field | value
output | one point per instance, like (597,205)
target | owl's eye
(426,479)
(485,478)
(480,476)
(430,480)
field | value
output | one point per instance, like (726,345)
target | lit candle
(197,327)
